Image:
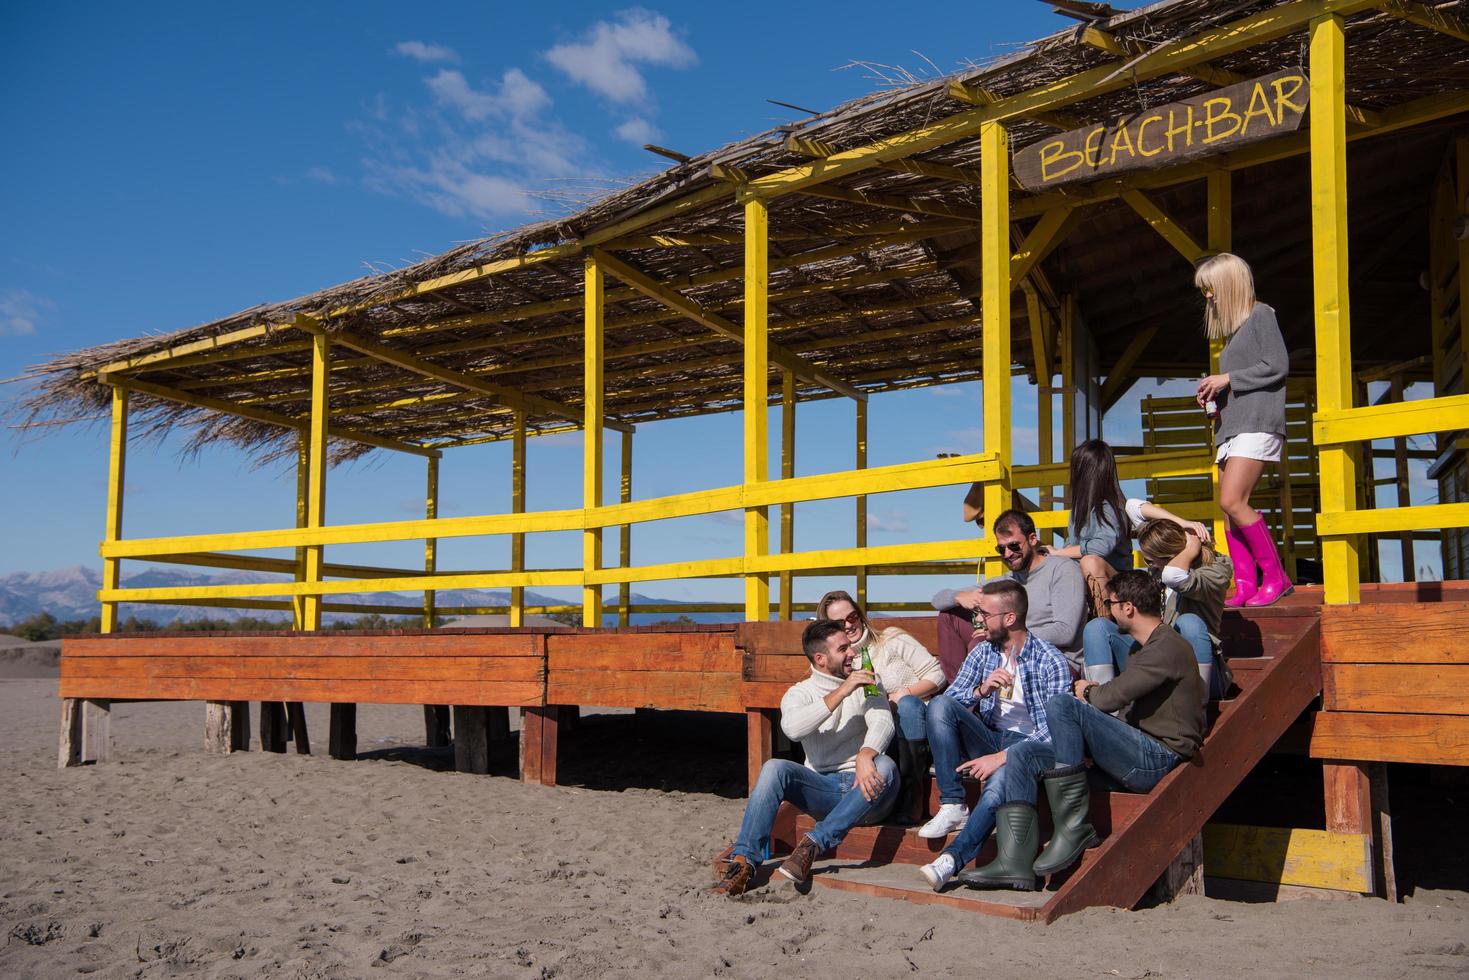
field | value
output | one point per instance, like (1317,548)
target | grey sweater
(1057,596)
(1256,361)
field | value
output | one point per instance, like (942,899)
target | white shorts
(1266,446)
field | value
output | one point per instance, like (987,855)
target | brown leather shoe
(797,867)
(737,877)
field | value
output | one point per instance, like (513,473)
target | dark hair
(1094,485)
(814,636)
(1139,588)
(1018,520)
(1012,593)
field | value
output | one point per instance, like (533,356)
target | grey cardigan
(1256,361)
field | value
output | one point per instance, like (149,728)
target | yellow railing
(932,557)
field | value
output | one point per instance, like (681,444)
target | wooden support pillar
(471,739)
(517,506)
(1401,482)
(1221,239)
(239,726)
(296,725)
(1357,803)
(219,727)
(497,723)
(430,545)
(436,731)
(861,536)
(316,471)
(538,734)
(96,730)
(303,490)
(592,435)
(995,311)
(624,534)
(1333,311)
(757,399)
(1461,209)
(1184,874)
(787,471)
(759,740)
(272,726)
(342,743)
(1068,397)
(116,472)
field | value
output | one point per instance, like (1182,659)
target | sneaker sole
(940,835)
(1019,884)
(790,876)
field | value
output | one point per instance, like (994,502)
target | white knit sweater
(832,739)
(900,661)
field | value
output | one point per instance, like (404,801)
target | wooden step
(905,883)
(891,844)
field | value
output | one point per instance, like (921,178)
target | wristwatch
(1086,693)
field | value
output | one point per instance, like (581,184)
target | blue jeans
(1103,643)
(912,718)
(956,734)
(832,798)
(1130,756)
(965,847)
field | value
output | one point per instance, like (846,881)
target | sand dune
(168,862)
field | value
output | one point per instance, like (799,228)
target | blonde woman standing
(1249,393)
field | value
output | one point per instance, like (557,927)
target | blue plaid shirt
(1043,672)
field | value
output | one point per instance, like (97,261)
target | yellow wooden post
(994,234)
(430,545)
(1221,236)
(624,551)
(757,399)
(594,323)
(316,471)
(1068,392)
(517,506)
(303,487)
(862,502)
(116,473)
(1461,209)
(787,471)
(1045,396)
(1333,312)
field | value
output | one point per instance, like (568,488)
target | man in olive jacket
(1161,697)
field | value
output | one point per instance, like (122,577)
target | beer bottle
(868,690)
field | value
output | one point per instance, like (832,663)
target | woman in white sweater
(909,676)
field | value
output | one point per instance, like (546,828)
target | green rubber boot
(1070,799)
(1017,838)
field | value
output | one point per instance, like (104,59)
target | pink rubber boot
(1246,572)
(1273,581)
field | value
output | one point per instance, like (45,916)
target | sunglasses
(1013,547)
(851,619)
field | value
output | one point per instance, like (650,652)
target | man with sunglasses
(1054,586)
(998,700)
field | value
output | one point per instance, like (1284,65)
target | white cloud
(516,96)
(428,53)
(607,60)
(893,523)
(20,309)
(322,175)
(637,131)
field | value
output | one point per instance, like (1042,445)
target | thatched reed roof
(874,276)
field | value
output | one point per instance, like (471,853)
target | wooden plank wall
(692,669)
(401,667)
(1395,683)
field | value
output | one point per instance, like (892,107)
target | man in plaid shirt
(997,699)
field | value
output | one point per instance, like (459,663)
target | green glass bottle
(868,690)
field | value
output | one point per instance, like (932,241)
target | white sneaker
(951,817)
(939,872)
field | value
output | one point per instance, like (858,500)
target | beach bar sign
(1213,122)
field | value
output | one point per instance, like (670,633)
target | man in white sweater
(846,780)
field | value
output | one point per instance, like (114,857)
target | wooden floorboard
(906,883)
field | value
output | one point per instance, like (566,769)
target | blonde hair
(1162,541)
(1228,277)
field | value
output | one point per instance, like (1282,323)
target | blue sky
(173,163)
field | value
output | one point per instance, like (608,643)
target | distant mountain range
(71,593)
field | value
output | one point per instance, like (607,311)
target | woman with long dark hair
(1248,396)
(1100,534)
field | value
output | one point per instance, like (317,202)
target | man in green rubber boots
(1163,725)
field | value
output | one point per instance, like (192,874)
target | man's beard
(998,636)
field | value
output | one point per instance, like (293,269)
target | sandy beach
(171,862)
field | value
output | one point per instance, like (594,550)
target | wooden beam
(260,415)
(974,95)
(1120,378)
(996,286)
(1216,42)
(594,320)
(193,348)
(756,400)
(315,479)
(1051,230)
(517,506)
(1170,230)
(408,362)
(116,471)
(1427,16)
(690,308)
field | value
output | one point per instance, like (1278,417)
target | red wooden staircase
(1275,656)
